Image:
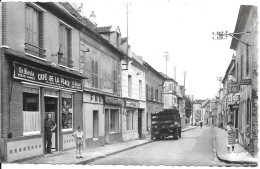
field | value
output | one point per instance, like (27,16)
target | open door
(51,107)
(140,123)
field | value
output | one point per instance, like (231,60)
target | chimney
(92,18)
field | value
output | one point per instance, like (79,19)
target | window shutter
(96,74)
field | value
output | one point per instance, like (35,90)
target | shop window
(65,45)
(67,112)
(95,124)
(115,81)
(94,73)
(129,120)
(114,120)
(31,113)
(33,31)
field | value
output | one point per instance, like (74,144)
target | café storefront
(33,89)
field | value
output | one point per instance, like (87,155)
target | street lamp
(224,35)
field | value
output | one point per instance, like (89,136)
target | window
(65,45)
(129,119)
(140,89)
(156,95)
(115,81)
(152,97)
(33,32)
(31,111)
(149,92)
(130,86)
(94,73)
(247,60)
(95,124)
(114,120)
(146,91)
(82,57)
(67,112)
(242,67)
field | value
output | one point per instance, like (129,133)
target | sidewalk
(240,156)
(188,128)
(89,155)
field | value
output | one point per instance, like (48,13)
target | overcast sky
(182,27)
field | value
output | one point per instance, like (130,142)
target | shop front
(32,91)
(132,120)
(113,119)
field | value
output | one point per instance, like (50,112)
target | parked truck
(166,123)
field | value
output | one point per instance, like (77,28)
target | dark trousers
(48,136)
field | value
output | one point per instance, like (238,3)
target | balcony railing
(64,61)
(35,50)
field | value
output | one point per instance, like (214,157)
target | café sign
(32,74)
(245,82)
(132,104)
(112,100)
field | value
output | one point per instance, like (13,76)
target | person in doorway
(231,136)
(200,124)
(49,126)
(78,135)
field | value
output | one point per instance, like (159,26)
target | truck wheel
(180,133)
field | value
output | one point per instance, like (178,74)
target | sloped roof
(204,104)
(168,78)
(103,29)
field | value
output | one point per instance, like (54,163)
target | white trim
(95,138)
(65,24)
(28,54)
(46,95)
(47,86)
(38,8)
(66,130)
(31,133)
(4,46)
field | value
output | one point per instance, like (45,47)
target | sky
(181,27)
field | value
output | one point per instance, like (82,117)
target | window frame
(115,81)
(94,73)
(130,83)
(116,123)
(72,107)
(39,112)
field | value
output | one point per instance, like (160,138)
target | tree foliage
(188,107)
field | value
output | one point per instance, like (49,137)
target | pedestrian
(49,126)
(78,135)
(200,124)
(231,136)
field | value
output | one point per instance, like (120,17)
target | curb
(112,153)
(188,129)
(228,161)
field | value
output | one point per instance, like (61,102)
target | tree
(187,106)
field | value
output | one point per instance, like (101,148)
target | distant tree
(187,106)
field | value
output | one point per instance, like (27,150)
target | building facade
(154,93)
(133,92)
(246,68)
(39,75)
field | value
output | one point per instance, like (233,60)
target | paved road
(195,148)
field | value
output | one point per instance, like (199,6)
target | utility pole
(166,59)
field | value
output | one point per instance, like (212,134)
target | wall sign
(112,100)
(234,88)
(132,104)
(245,82)
(29,73)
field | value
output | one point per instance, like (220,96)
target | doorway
(52,107)
(140,123)
(106,125)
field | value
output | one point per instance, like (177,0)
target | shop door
(106,125)
(51,107)
(140,123)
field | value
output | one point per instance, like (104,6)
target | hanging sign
(32,74)
(234,87)
(245,82)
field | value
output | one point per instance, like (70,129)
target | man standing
(49,126)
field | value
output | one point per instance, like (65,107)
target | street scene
(129,83)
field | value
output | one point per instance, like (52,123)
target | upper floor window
(152,96)
(94,73)
(140,89)
(146,91)
(242,67)
(115,81)
(82,57)
(34,32)
(65,45)
(156,95)
(247,60)
(129,86)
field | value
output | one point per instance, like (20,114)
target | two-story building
(133,92)
(154,93)
(40,74)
